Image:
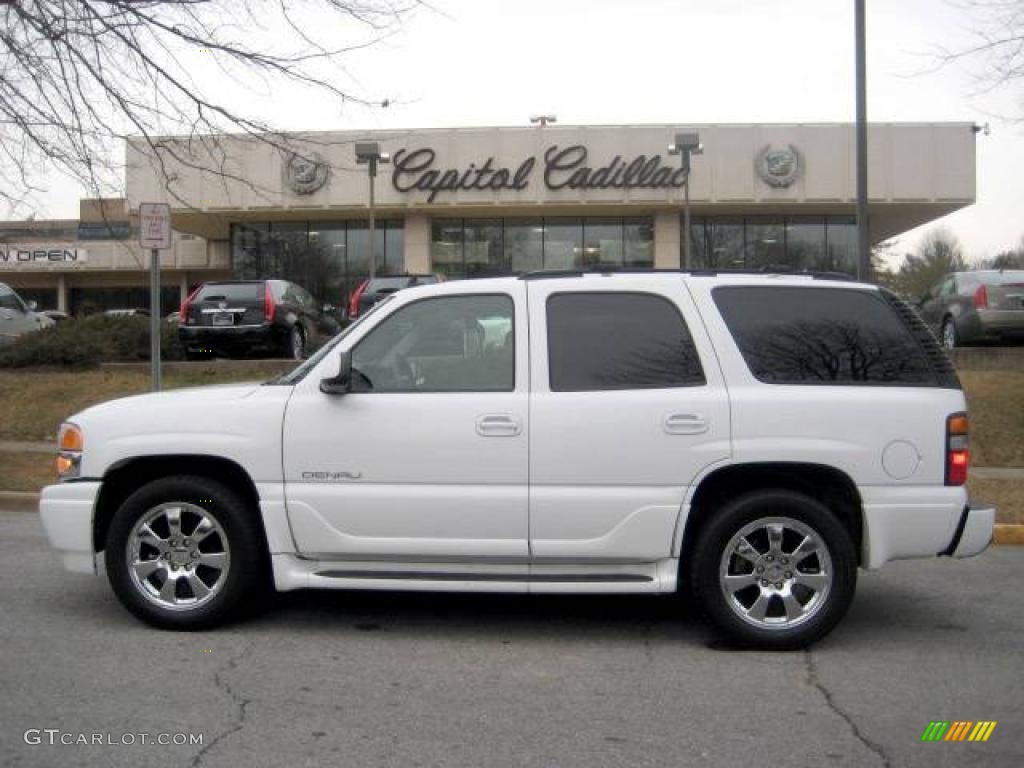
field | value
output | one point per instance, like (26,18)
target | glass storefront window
(482,247)
(446,247)
(819,243)
(725,243)
(328,258)
(841,241)
(563,243)
(602,243)
(524,245)
(805,242)
(638,242)
(765,243)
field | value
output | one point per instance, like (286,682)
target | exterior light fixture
(686,145)
(368,153)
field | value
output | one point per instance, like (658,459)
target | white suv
(753,437)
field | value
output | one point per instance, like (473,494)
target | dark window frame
(703,382)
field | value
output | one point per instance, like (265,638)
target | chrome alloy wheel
(178,556)
(776,573)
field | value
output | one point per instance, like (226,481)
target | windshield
(231,292)
(298,374)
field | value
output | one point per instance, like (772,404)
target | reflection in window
(809,335)
(805,242)
(817,243)
(450,344)
(606,341)
(480,247)
(328,258)
(766,243)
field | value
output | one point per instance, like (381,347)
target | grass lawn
(34,402)
(995,400)
(1006,495)
(26,471)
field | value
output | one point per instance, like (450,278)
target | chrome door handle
(685,424)
(498,425)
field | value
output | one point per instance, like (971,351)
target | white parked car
(754,438)
(17,316)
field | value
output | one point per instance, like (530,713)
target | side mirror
(342,383)
(32,306)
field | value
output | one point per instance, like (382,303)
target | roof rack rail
(550,274)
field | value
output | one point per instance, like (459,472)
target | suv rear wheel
(774,569)
(184,553)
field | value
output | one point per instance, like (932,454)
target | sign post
(155,234)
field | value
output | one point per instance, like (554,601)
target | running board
(294,572)
(526,577)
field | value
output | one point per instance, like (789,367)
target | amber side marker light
(70,442)
(957,454)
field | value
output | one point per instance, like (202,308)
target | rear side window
(822,336)
(609,341)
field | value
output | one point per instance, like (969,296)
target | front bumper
(974,532)
(67,514)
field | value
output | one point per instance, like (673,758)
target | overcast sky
(495,62)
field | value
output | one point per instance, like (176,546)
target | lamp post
(686,145)
(368,153)
(863,237)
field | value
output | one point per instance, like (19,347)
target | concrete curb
(1006,534)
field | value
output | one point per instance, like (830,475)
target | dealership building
(473,202)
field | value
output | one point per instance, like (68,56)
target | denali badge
(331,476)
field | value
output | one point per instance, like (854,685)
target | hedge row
(87,342)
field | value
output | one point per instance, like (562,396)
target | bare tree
(938,254)
(79,77)
(995,48)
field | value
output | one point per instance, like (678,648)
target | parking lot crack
(240,703)
(814,681)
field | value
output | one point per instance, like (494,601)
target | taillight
(186,305)
(269,307)
(957,455)
(353,304)
(981,297)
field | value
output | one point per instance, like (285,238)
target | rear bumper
(1001,322)
(974,531)
(229,337)
(67,514)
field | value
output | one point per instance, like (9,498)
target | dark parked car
(370,292)
(250,316)
(965,307)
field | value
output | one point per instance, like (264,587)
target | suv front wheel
(183,552)
(774,569)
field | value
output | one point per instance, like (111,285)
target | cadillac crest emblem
(778,167)
(305,172)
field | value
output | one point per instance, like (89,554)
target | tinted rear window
(602,341)
(231,292)
(791,335)
(388,284)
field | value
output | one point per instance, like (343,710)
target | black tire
(245,579)
(723,609)
(295,343)
(950,335)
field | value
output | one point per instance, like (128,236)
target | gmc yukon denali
(753,438)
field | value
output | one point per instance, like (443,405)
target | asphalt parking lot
(377,679)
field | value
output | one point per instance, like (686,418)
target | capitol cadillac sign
(33,256)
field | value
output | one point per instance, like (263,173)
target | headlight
(70,442)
